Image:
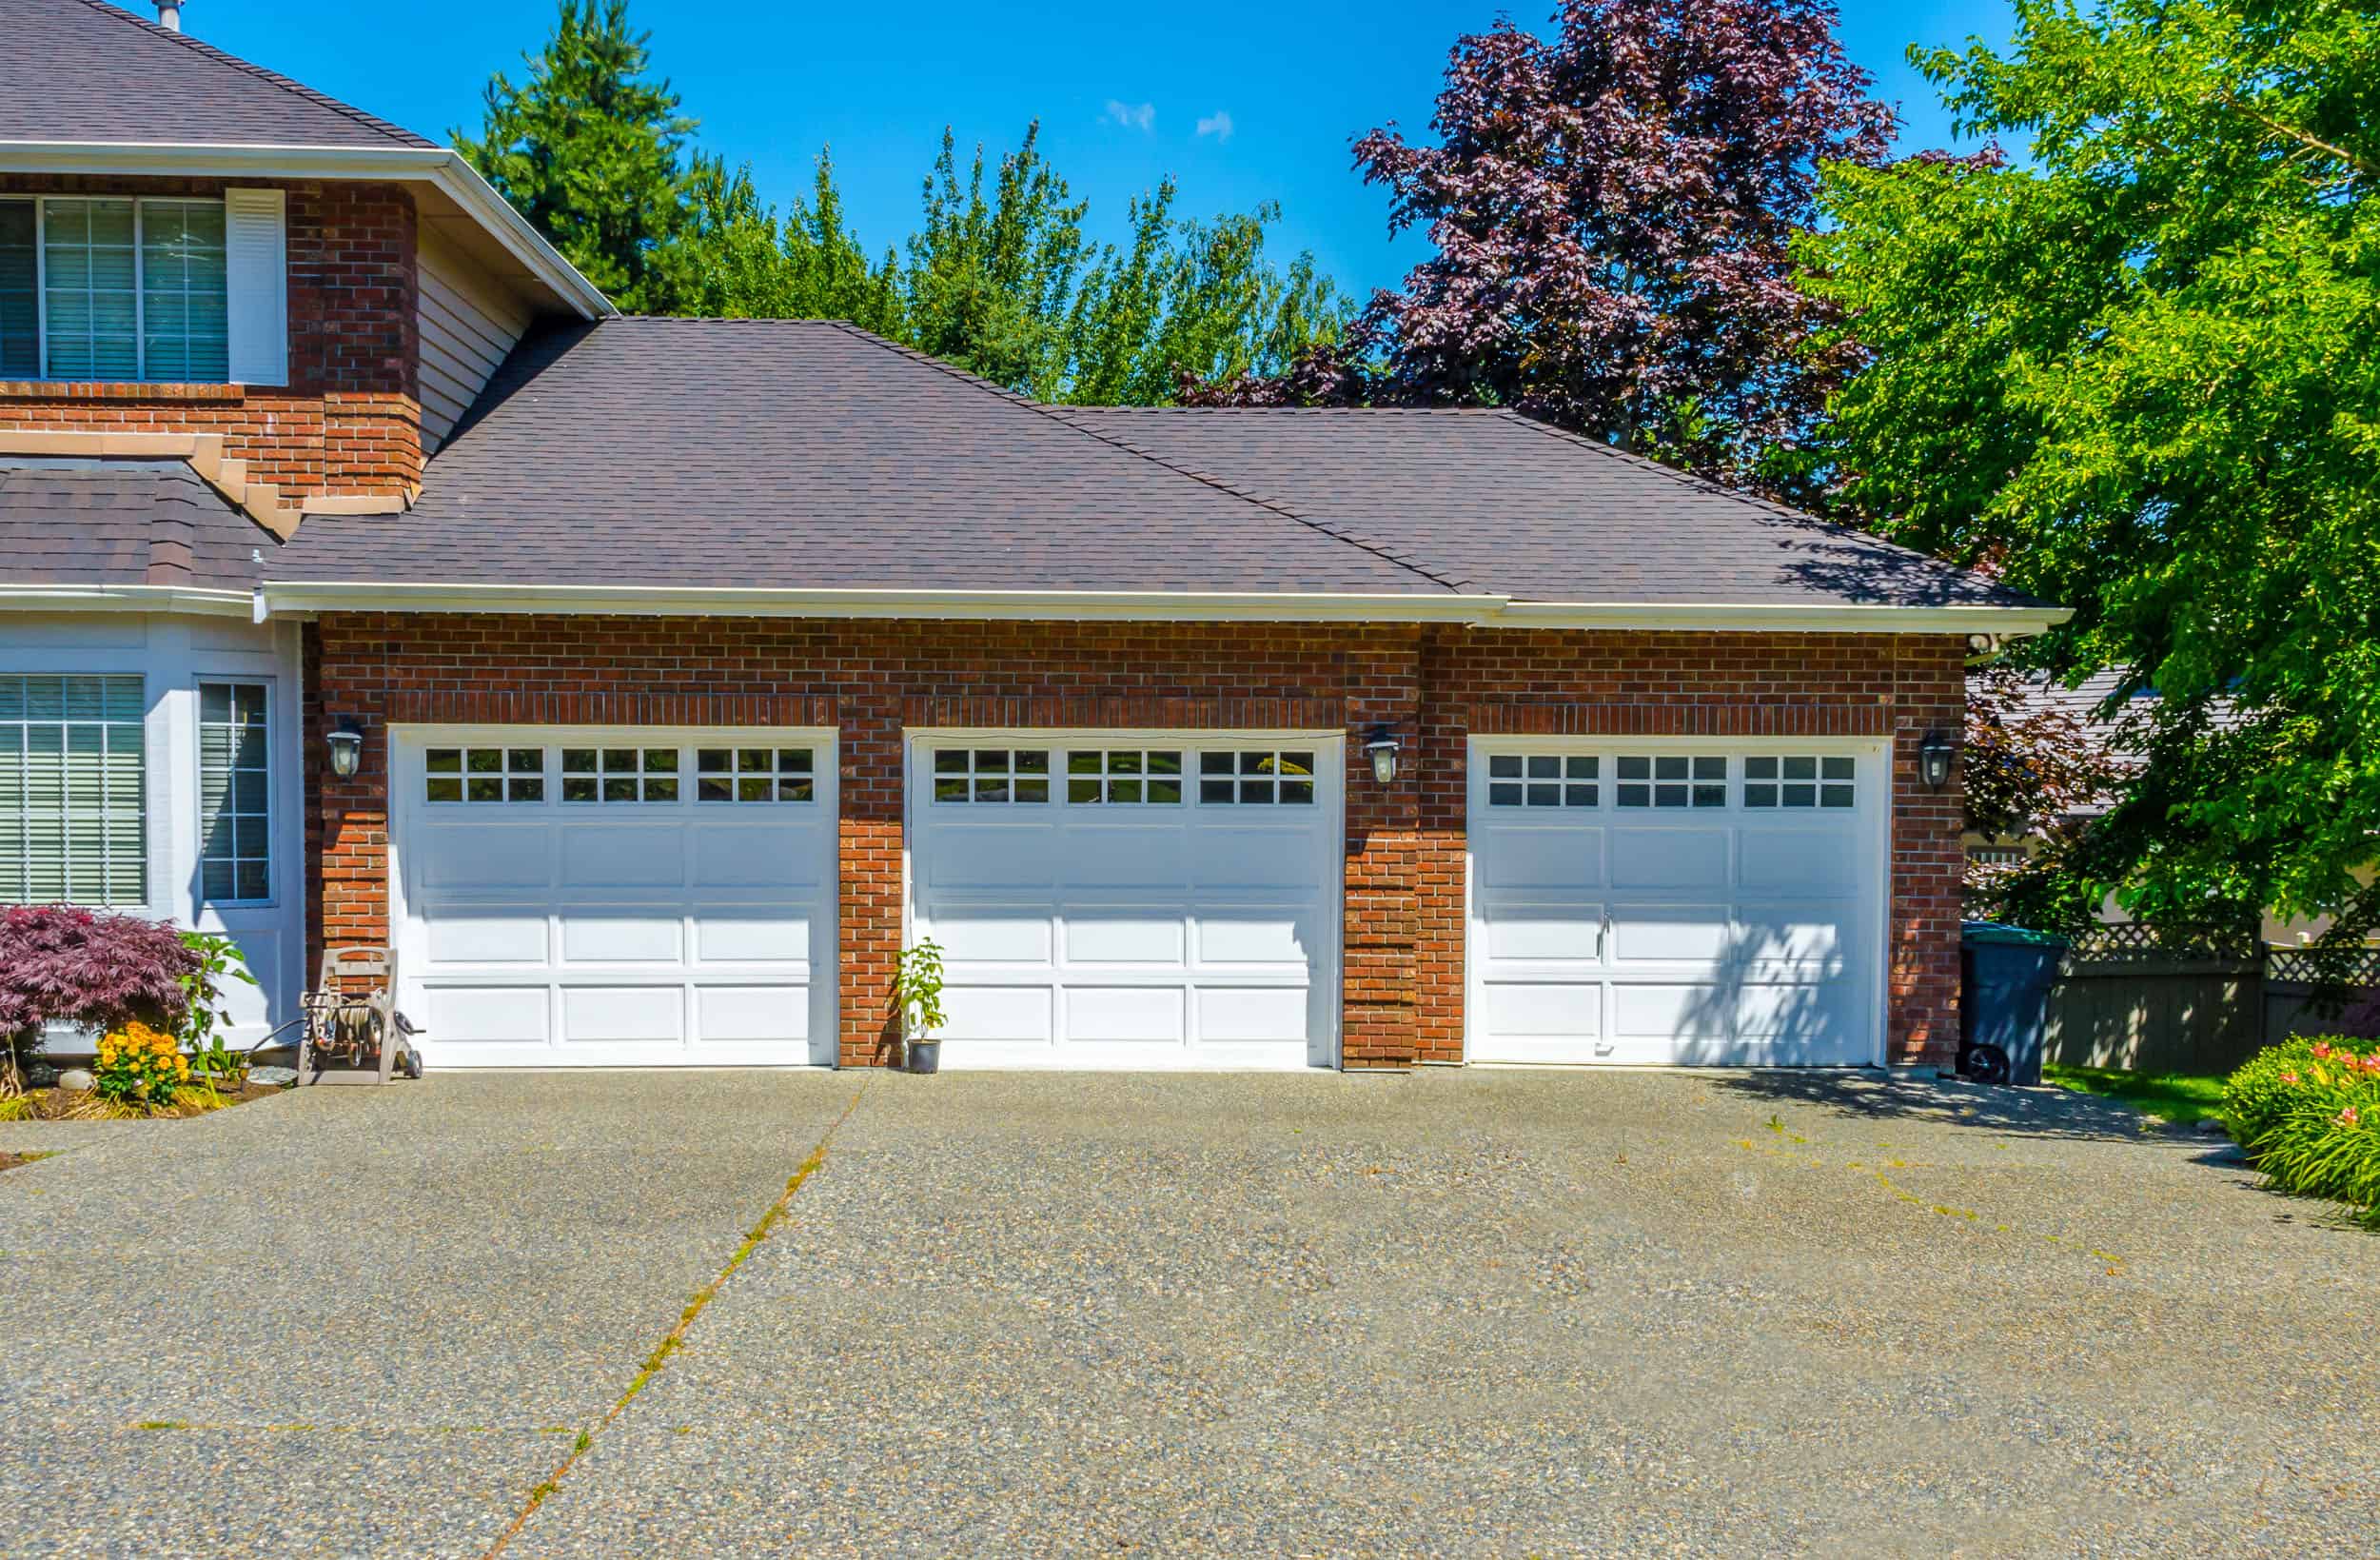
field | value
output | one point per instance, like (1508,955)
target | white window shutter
(256,274)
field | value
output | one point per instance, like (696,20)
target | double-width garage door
(1677,902)
(1129,900)
(616,897)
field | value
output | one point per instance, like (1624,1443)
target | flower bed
(2306,1113)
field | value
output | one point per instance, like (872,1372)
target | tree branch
(2303,138)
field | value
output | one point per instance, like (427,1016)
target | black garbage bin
(2004,999)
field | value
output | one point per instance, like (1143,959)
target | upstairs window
(144,292)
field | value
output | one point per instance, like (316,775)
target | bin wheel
(410,1064)
(1984,1064)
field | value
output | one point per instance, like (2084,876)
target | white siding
(468,322)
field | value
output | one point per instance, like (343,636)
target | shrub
(77,966)
(2306,1113)
(139,1066)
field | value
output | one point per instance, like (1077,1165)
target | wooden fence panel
(2172,1000)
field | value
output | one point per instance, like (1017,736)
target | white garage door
(1693,903)
(616,897)
(1129,900)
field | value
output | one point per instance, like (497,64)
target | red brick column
(1379,1002)
(1929,695)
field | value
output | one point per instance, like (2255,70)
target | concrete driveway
(1479,1313)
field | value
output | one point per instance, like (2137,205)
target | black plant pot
(925,1055)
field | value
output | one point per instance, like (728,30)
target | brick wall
(350,421)
(1404,872)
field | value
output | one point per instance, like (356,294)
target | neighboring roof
(806,454)
(1497,502)
(79,71)
(90,524)
(685,455)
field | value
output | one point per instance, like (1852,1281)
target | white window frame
(273,863)
(148,800)
(140,289)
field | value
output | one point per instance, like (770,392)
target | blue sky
(1242,102)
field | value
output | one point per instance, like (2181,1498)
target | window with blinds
(72,791)
(134,290)
(234,793)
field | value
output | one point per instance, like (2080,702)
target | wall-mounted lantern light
(1934,760)
(346,749)
(1383,749)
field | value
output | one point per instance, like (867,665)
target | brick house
(692,669)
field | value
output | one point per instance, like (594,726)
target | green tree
(2142,377)
(588,150)
(991,278)
(730,257)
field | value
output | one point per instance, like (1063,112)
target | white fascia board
(214,604)
(1482,611)
(1051,606)
(1762,617)
(438,165)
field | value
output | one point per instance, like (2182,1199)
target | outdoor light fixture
(346,749)
(1383,748)
(1934,756)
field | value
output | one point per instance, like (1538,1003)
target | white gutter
(439,167)
(1479,611)
(235,604)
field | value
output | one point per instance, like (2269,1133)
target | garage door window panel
(1673,780)
(755,774)
(619,774)
(1129,776)
(992,776)
(1257,778)
(1803,780)
(484,774)
(1544,779)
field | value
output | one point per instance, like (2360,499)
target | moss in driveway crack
(675,1339)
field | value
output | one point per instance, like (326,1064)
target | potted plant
(917,987)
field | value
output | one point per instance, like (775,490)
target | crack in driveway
(675,1339)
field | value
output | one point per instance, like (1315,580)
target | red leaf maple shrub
(1610,209)
(79,966)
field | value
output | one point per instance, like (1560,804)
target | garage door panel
(484,935)
(464,857)
(1248,1014)
(968,856)
(615,856)
(1797,935)
(753,936)
(1668,1011)
(1799,863)
(1682,859)
(593,1014)
(1258,935)
(1808,1014)
(1545,1008)
(994,934)
(1132,857)
(1543,858)
(997,1012)
(488,1015)
(740,1014)
(1546,934)
(1113,934)
(1671,933)
(597,937)
(755,857)
(1236,857)
(1143,1014)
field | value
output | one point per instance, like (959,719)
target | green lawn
(2180,1097)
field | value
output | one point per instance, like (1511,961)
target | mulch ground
(58,1104)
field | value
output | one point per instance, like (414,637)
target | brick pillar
(1929,695)
(1381,946)
(869,848)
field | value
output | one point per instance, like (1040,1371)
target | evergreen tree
(588,147)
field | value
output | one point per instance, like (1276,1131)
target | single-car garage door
(1129,900)
(616,897)
(1677,902)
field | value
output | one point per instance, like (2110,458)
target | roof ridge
(1057,415)
(320,99)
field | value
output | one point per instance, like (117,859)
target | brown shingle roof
(81,70)
(121,523)
(1498,502)
(807,455)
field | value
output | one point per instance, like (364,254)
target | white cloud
(1217,124)
(1138,116)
